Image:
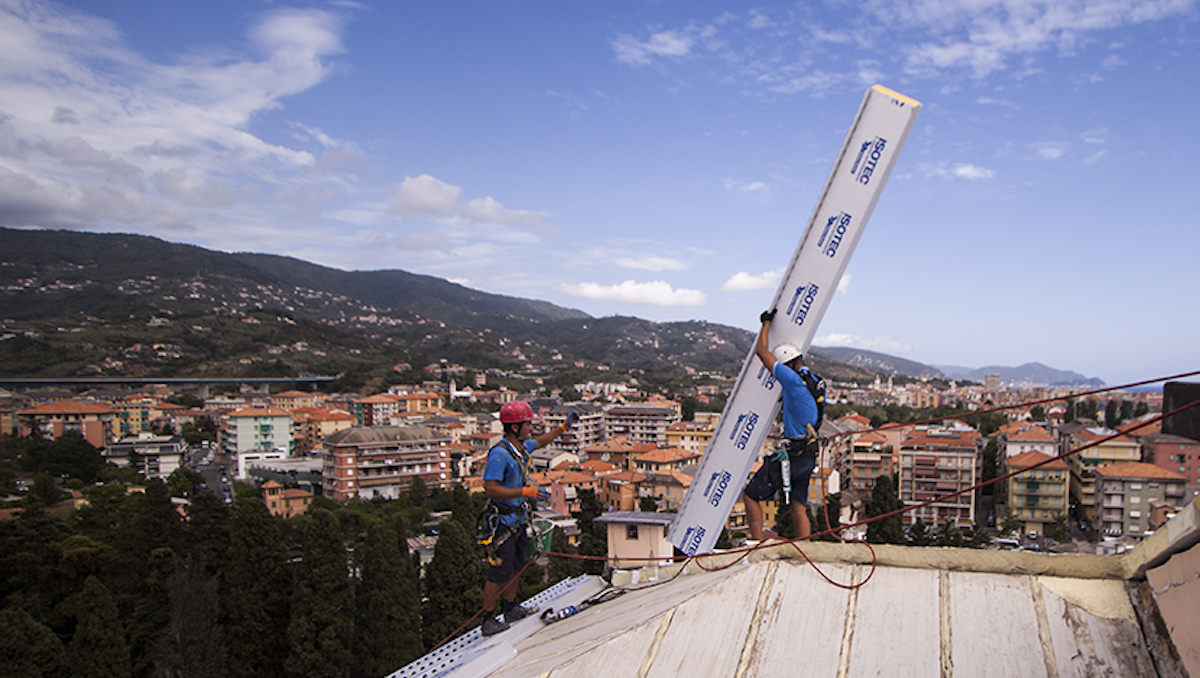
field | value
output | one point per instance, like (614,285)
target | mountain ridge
(209,311)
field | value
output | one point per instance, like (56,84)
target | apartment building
(311,425)
(868,457)
(641,423)
(587,431)
(383,461)
(1126,491)
(1029,438)
(1098,447)
(936,461)
(285,502)
(693,436)
(267,428)
(1038,495)
(1173,453)
(155,457)
(94,421)
(664,459)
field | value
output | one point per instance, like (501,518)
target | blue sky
(653,159)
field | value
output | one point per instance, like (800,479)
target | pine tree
(884,500)
(321,627)
(562,568)
(453,587)
(29,649)
(593,536)
(388,628)
(256,599)
(193,645)
(98,648)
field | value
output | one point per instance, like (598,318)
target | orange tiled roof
(1136,469)
(69,407)
(1027,459)
(665,455)
(261,412)
(1032,434)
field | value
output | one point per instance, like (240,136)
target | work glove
(767,316)
(538,493)
(572,417)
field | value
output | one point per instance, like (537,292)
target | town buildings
(1126,494)
(935,462)
(384,461)
(1038,496)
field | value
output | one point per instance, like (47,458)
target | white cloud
(630,50)
(1049,150)
(747,282)
(650,263)
(426,197)
(885,344)
(960,171)
(657,293)
(749,187)
(102,136)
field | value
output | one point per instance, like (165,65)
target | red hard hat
(515,412)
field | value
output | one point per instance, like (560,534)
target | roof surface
(920,612)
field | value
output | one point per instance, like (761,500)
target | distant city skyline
(650,159)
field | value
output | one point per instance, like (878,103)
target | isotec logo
(766,377)
(801,302)
(692,538)
(743,428)
(717,485)
(835,228)
(868,157)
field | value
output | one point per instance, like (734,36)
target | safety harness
(798,445)
(488,532)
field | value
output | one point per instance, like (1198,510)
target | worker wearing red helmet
(507,486)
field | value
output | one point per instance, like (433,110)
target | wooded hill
(85,304)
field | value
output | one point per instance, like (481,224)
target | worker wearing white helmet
(803,401)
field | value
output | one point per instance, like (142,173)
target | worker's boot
(493,625)
(513,612)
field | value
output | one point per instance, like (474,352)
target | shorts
(768,481)
(512,553)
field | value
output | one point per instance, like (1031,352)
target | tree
(918,534)
(69,455)
(321,626)
(417,493)
(44,492)
(199,430)
(990,454)
(832,509)
(256,596)
(648,504)
(1058,530)
(450,597)
(388,604)
(193,645)
(1112,414)
(562,568)
(98,649)
(29,649)
(1037,413)
(1009,522)
(593,536)
(884,500)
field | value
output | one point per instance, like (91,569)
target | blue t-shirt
(504,467)
(799,406)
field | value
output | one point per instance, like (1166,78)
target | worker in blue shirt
(789,469)
(507,486)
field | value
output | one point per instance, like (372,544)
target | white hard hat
(786,353)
